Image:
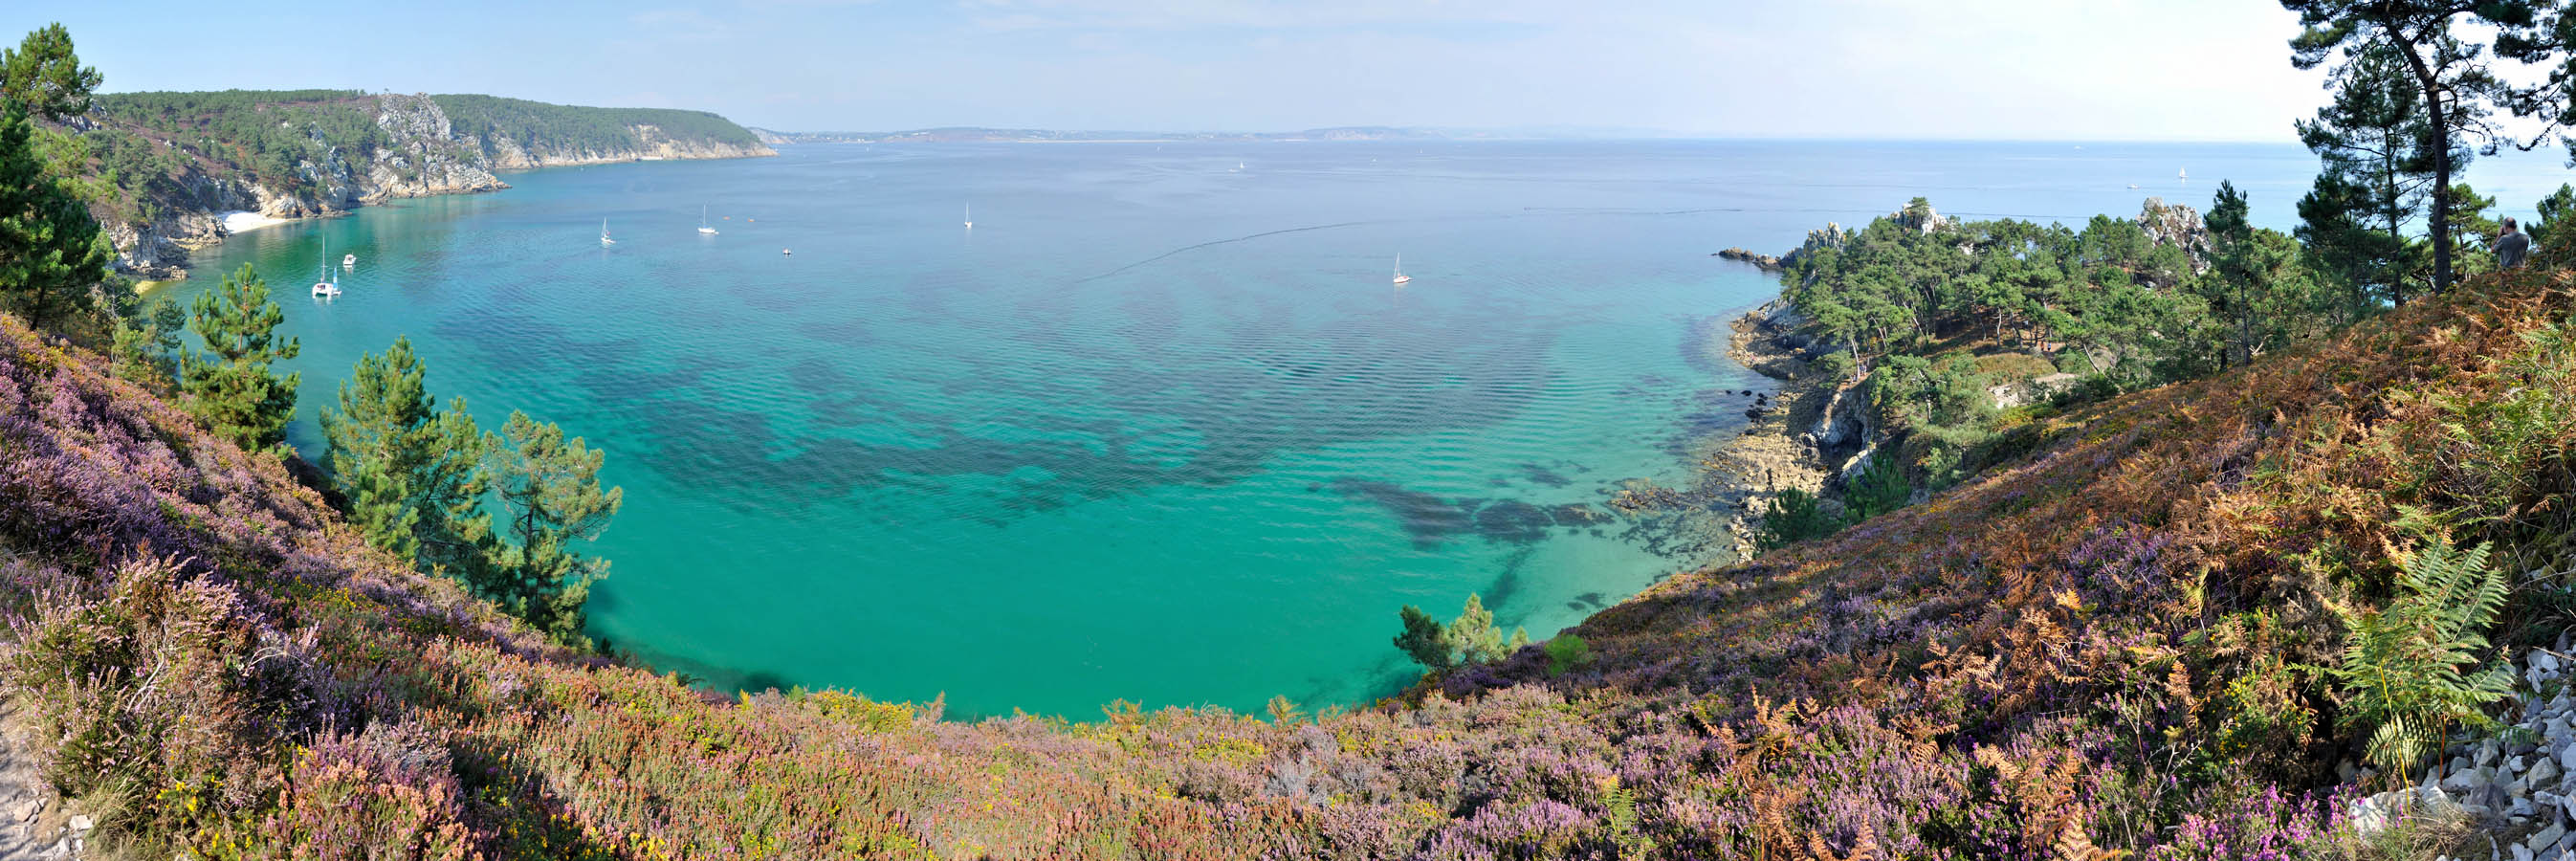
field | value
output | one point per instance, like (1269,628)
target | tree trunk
(2438,219)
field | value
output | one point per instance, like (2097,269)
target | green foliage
(1425,640)
(1880,488)
(412,474)
(268,134)
(1567,653)
(45,76)
(1470,638)
(2372,142)
(2422,46)
(2413,669)
(537,125)
(1473,633)
(1793,516)
(51,250)
(230,387)
(148,345)
(2259,291)
(550,496)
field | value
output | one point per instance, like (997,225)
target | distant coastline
(977,134)
(184,170)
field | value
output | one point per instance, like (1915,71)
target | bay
(1158,426)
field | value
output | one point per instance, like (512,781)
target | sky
(1990,69)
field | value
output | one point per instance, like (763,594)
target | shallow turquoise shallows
(1157,427)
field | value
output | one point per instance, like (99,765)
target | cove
(1155,428)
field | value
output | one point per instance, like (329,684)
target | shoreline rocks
(1765,262)
(421,155)
(2518,784)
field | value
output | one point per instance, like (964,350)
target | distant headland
(976,134)
(178,170)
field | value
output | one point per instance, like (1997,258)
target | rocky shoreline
(1798,434)
(422,156)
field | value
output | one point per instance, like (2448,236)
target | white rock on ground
(2532,777)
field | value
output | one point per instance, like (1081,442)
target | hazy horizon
(2198,71)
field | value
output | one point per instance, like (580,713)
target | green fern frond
(2416,667)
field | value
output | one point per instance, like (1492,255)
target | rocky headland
(417,151)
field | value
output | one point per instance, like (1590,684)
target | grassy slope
(2106,642)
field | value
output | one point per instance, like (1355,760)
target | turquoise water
(1155,428)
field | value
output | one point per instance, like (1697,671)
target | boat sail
(604,241)
(702,222)
(1400,277)
(323,286)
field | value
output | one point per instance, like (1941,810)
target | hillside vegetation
(2117,640)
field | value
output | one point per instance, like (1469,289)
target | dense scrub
(2113,641)
(540,126)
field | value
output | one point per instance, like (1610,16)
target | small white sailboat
(702,222)
(2183,175)
(323,286)
(1400,277)
(970,216)
(604,241)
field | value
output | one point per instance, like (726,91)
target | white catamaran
(323,286)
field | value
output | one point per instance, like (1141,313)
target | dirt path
(33,826)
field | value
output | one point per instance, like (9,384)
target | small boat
(348,260)
(786,251)
(2133,185)
(970,216)
(1400,277)
(702,222)
(323,286)
(2183,175)
(604,241)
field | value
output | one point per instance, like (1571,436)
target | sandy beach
(236,222)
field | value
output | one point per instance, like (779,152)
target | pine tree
(51,250)
(2377,160)
(2554,228)
(147,346)
(1425,639)
(413,475)
(230,387)
(551,496)
(45,76)
(2454,85)
(1474,633)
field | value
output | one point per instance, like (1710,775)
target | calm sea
(1158,427)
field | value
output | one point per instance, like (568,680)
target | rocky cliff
(415,149)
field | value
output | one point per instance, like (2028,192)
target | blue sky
(2044,69)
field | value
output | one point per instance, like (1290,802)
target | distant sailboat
(323,286)
(1400,277)
(970,216)
(604,241)
(702,221)
(2183,175)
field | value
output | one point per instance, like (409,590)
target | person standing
(2511,247)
